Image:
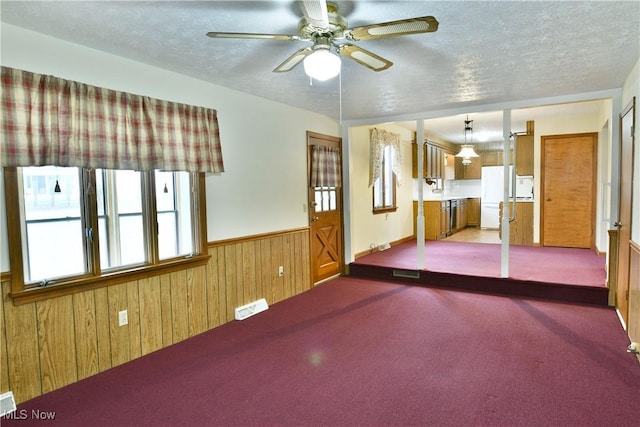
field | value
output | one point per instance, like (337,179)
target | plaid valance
(325,166)
(378,140)
(46,120)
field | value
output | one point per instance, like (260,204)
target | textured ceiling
(484,52)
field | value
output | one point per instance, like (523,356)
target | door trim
(311,136)
(594,182)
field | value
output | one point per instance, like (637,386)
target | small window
(384,187)
(52,226)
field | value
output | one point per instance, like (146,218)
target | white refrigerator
(491,192)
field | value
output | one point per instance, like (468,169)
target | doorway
(324,160)
(568,193)
(624,211)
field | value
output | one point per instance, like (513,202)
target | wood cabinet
(520,230)
(432,219)
(473,212)
(438,215)
(445,219)
(432,161)
(524,155)
(493,158)
(458,214)
(470,171)
(461,215)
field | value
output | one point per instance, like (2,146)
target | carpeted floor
(568,266)
(359,352)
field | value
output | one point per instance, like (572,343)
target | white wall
(368,228)
(263,142)
(630,89)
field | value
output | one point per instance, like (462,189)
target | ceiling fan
(326,29)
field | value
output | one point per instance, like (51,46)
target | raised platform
(562,274)
(492,285)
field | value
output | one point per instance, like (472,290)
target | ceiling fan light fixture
(322,64)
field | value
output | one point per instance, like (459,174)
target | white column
(504,220)
(420,215)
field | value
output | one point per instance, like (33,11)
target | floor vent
(7,403)
(250,309)
(409,274)
(384,246)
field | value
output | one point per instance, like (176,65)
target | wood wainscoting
(633,328)
(48,344)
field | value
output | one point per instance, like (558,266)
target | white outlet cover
(123,318)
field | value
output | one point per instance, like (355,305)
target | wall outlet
(123,318)
(281,271)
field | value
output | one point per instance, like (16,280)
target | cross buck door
(324,161)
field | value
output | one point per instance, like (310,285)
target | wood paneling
(47,344)
(119,335)
(103,329)
(22,348)
(57,344)
(634,292)
(86,334)
(150,314)
(4,364)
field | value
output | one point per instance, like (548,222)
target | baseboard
(376,249)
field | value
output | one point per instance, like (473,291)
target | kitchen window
(76,227)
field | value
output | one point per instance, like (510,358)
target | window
(78,226)
(384,187)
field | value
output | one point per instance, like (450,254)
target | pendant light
(466,149)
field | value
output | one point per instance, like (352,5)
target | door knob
(314,219)
(617,224)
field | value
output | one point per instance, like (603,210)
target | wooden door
(624,209)
(325,218)
(568,193)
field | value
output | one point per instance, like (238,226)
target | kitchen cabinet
(432,161)
(473,212)
(432,219)
(520,230)
(493,158)
(461,215)
(445,219)
(524,155)
(470,171)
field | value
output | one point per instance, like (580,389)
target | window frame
(384,177)
(22,293)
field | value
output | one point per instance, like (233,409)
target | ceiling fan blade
(316,12)
(364,57)
(219,35)
(289,63)
(425,24)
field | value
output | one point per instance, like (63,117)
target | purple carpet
(358,352)
(567,266)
